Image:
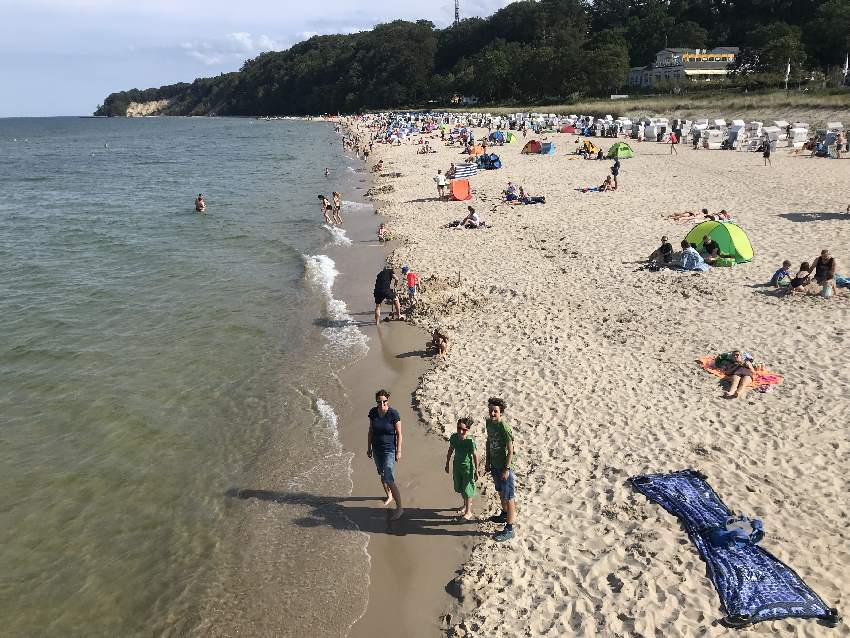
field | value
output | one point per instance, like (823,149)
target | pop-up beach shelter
(620,150)
(477,150)
(532,148)
(460,190)
(569,128)
(510,138)
(731,239)
(497,136)
(547,148)
(590,148)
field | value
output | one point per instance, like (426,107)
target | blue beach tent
(547,148)
(497,136)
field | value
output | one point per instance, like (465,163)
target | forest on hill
(532,51)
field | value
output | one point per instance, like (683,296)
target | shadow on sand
(816,217)
(339,512)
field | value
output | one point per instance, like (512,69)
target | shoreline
(411,560)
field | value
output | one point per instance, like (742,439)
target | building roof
(725,50)
(702,64)
(675,50)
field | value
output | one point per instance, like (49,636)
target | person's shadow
(815,216)
(350,513)
(413,353)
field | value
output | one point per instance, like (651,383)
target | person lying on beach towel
(690,215)
(741,370)
(524,198)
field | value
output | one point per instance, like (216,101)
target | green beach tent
(510,138)
(620,150)
(733,241)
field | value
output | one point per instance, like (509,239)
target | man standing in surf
(385,284)
(383,445)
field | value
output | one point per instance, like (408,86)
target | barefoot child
(465,468)
(500,455)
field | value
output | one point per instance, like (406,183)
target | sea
(157,365)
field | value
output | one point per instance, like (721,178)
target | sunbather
(688,215)
(607,185)
(741,372)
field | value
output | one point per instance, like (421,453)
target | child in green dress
(465,468)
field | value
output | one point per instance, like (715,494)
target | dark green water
(151,359)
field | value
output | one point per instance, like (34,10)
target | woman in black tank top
(824,269)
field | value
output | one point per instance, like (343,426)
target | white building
(677,65)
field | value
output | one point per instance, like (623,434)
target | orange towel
(761,377)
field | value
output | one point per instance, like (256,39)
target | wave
(342,333)
(339,236)
(337,462)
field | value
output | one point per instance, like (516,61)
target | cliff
(142,109)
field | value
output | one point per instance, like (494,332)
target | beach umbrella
(730,238)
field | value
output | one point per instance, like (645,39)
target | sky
(63,57)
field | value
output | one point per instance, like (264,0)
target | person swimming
(200,204)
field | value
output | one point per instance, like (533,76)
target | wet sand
(413,559)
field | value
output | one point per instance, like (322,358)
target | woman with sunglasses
(384,447)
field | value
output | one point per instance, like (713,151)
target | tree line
(531,51)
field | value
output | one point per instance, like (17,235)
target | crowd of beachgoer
(465,469)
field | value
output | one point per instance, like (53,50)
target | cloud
(231,47)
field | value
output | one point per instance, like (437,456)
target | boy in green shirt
(500,454)
(465,469)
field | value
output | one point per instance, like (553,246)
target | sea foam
(341,332)
(338,235)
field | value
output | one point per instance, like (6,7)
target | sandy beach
(597,362)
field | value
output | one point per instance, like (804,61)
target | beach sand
(412,559)
(596,361)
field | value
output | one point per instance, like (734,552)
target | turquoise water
(152,358)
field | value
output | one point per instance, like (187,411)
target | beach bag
(738,531)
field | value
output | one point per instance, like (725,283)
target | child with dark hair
(465,468)
(499,457)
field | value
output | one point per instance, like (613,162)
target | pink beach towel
(760,378)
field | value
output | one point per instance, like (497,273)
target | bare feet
(469,516)
(388,500)
(399,512)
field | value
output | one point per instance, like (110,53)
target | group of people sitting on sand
(516,196)
(425,148)
(689,258)
(822,267)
